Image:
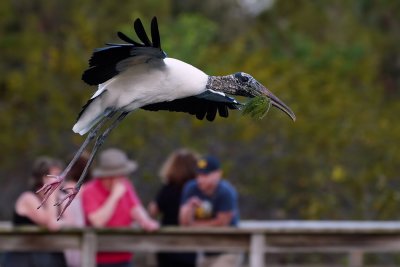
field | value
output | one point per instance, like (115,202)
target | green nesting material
(257,107)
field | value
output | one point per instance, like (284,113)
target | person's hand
(150,225)
(152,209)
(118,189)
(194,202)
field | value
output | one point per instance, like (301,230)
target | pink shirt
(93,197)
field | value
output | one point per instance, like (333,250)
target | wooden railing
(255,238)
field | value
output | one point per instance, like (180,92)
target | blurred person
(26,213)
(210,201)
(110,200)
(74,215)
(180,167)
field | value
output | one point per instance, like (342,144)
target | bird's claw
(49,188)
(70,196)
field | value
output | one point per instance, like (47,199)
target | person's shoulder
(169,188)
(27,196)
(26,200)
(225,183)
(190,187)
(226,186)
(190,184)
(90,186)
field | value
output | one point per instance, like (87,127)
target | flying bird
(138,74)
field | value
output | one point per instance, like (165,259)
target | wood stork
(140,75)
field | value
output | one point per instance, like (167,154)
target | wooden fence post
(89,249)
(356,258)
(257,250)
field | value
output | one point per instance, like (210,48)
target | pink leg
(100,140)
(70,196)
(50,187)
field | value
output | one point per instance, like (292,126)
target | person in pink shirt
(110,200)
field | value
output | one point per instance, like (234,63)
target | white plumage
(142,84)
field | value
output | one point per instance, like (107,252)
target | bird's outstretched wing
(106,62)
(203,105)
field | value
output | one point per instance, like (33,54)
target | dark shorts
(34,259)
(176,259)
(120,264)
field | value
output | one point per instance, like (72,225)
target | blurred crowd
(192,193)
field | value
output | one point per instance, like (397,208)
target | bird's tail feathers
(83,129)
(91,113)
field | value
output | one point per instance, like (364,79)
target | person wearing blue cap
(210,200)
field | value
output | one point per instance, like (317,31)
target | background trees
(336,64)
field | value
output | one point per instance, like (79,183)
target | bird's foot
(70,196)
(50,187)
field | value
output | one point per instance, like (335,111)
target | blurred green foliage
(335,63)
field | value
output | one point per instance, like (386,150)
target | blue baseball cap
(208,164)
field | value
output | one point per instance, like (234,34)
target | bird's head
(244,84)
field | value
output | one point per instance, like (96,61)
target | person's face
(108,182)
(53,171)
(208,182)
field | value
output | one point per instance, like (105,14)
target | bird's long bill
(276,102)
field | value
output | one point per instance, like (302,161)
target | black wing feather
(109,55)
(127,39)
(99,74)
(155,34)
(141,33)
(195,105)
(103,62)
(201,113)
(223,110)
(211,111)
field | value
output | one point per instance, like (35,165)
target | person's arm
(157,206)
(102,215)
(46,216)
(140,215)
(186,212)
(222,219)
(153,209)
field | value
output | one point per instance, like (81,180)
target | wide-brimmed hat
(114,162)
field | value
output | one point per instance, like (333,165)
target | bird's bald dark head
(243,84)
(247,85)
(242,77)
(239,83)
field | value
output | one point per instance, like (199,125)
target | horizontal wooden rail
(255,238)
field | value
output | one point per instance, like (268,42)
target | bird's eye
(242,78)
